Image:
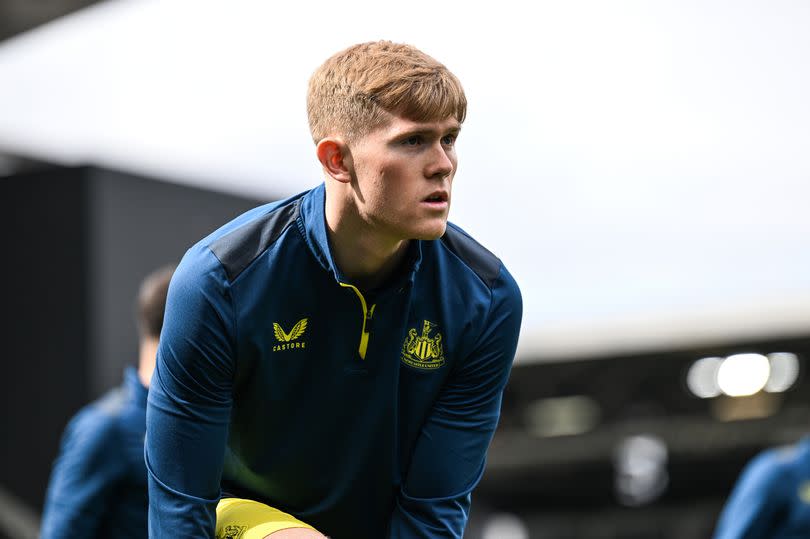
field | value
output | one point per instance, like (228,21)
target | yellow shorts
(246,519)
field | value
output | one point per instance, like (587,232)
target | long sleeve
(450,453)
(85,473)
(755,501)
(189,403)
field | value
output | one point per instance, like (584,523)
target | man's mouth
(437,197)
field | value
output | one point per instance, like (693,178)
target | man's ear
(336,159)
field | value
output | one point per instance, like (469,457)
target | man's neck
(147,355)
(367,259)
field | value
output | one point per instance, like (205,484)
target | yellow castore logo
(423,351)
(290,340)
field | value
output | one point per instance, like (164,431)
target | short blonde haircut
(355,90)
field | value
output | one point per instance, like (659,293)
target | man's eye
(448,140)
(412,141)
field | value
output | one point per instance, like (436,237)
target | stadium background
(642,169)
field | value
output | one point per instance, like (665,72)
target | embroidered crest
(423,351)
(232,532)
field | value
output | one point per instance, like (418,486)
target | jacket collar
(313,220)
(134,388)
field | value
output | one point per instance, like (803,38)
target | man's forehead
(400,124)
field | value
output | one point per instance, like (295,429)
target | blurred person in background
(771,498)
(336,361)
(98,486)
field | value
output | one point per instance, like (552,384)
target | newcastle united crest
(423,351)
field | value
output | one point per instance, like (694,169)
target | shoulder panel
(485,264)
(236,250)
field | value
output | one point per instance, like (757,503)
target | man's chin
(431,233)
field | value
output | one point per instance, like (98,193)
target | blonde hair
(355,90)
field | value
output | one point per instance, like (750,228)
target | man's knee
(249,519)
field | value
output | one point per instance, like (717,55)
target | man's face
(403,173)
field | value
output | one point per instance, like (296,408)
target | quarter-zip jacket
(98,484)
(364,414)
(772,497)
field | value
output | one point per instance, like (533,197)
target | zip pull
(367,314)
(366,332)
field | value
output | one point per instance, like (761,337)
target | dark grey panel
(485,264)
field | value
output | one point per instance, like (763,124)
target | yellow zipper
(367,314)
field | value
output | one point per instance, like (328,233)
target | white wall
(643,168)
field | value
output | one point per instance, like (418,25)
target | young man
(98,485)
(336,360)
(772,497)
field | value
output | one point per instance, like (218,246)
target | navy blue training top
(98,484)
(365,414)
(772,497)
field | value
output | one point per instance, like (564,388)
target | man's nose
(440,164)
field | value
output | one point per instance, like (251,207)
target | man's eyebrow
(426,131)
